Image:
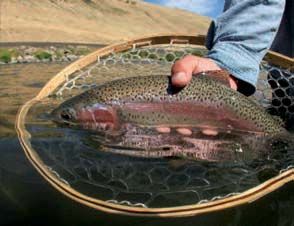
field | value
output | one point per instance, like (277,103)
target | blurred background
(102,21)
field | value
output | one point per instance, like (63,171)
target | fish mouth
(65,123)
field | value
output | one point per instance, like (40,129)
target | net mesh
(144,182)
(282,102)
(135,62)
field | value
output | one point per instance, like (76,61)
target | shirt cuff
(235,59)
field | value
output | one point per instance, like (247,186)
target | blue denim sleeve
(239,38)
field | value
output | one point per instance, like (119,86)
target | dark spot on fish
(166,148)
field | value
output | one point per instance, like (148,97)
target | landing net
(151,187)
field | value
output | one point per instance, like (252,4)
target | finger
(205,64)
(233,83)
(182,70)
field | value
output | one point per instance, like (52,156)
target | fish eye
(66,114)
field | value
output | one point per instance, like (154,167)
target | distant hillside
(91,21)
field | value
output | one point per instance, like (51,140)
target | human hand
(183,69)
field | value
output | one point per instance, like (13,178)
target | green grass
(14,52)
(59,54)
(5,56)
(41,55)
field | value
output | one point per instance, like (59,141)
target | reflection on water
(20,82)
(26,199)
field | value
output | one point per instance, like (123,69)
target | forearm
(239,38)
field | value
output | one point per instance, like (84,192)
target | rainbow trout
(128,111)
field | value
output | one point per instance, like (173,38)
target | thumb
(182,70)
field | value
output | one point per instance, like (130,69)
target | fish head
(65,114)
(98,117)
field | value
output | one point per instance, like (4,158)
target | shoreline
(43,44)
(35,52)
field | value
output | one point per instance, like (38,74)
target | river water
(27,199)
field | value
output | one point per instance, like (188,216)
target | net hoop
(285,176)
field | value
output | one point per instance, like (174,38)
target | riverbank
(12,53)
